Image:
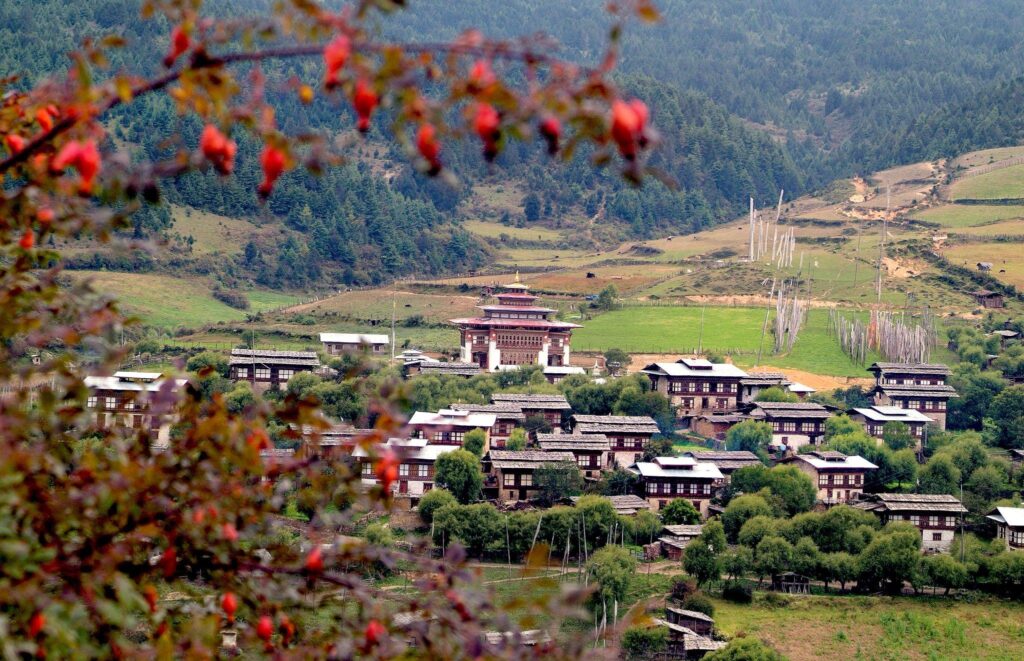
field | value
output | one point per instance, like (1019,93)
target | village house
(337,442)
(514,332)
(666,478)
(727,461)
(624,505)
(674,539)
(449,427)
(135,400)
(988,299)
(874,419)
(416,457)
(918,386)
(794,425)
(592,452)
(936,516)
(683,641)
(840,478)
(552,408)
(753,384)
(556,373)
(800,390)
(507,418)
(1009,525)
(627,434)
(266,369)
(336,344)
(512,471)
(1017,458)
(716,425)
(696,385)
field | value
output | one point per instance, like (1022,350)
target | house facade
(696,385)
(794,425)
(416,457)
(514,331)
(840,479)
(266,369)
(592,453)
(512,471)
(675,539)
(553,408)
(336,344)
(874,419)
(556,373)
(507,417)
(918,386)
(1009,523)
(449,427)
(626,434)
(132,400)
(936,516)
(716,425)
(668,478)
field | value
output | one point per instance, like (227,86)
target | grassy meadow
(957,216)
(1002,183)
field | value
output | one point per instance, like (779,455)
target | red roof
(513,323)
(515,308)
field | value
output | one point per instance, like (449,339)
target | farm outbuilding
(988,299)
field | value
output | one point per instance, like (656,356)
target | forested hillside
(376,218)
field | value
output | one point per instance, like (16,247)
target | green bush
(644,643)
(700,603)
(737,592)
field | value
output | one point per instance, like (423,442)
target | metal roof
(833,461)
(564,369)
(892,413)
(114,383)
(1011,516)
(695,367)
(695,470)
(450,418)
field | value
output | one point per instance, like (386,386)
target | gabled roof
(913,502)
(892,413)
(764,379)
(798,388)
(354,338)
(828,460)
(533,401)
(626,504)
(505,459)
(695,367)
(267,357)
(599,424)
(690,615)
(410,449)
(450,418)
(1011,516)
(913,390)
(801,410)
(684,530)
(1005,333)
(727,460)
(574,442)
(459,369)
(910,368)
(501,411)
(114,383)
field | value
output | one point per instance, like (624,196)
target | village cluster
(709,398)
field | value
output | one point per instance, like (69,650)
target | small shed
(988,299)
(695,621)
(791,582)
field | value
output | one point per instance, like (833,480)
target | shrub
(231,298)
(700,603)
(644,643)
(432,501)
(737,592)
(683,588)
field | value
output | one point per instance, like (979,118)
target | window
(705,387)
(508,479)
(915,519)
(367,469)
(284,375)
(526,480)
(675,386)
(1017,538)
(933,521)
(687,402)
(913,404)
(242,372)
(263,373)
(423,470)
(110,403)
(583,461)
(403,470)
(91,402)
(707,489)
(788,426)
(936,536)
(129,404)
(822,480)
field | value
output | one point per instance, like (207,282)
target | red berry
(487,124)
(45,215)
(149,593)
(28,239)
(387,469)
(629,122)
(287,629)
(551,131)
(36,624)
(230,605)
(169,561)
(375,633)
(335,55)
(315,560)
(44,119)
(14,142)
(179,44)
(265,628)
(481,76)
(85,158)
(229,532)
(273,162)
(429,148)
(218,149)
(365,100)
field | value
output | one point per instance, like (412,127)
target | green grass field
(170,302)
(495,230)
(1004,183)
(969,215)
(212,233)
(812,627)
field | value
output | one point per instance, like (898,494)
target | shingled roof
(266,357)
(727,460)
(573,442)
(801,410)
(506,459)
(910,368)
(539,401)
(599,424)
(912,502)
(625,505)
(458,369)
(908,390)
(502,411)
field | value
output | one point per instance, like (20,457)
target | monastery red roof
(513,323)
